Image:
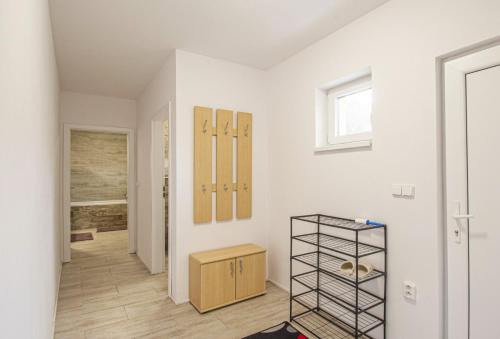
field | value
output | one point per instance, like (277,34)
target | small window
(344,113)
(349,114)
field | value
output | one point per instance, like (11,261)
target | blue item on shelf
(368,222)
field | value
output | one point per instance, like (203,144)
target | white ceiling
(114,47)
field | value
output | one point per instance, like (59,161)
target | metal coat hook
(205,126)
(246,130)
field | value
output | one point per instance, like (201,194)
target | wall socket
(410,290)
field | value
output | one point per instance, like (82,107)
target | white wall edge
(283,287)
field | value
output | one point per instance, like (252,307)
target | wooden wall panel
(202,164)
(224,171)
(244,166)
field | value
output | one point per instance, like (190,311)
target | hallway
(107,293)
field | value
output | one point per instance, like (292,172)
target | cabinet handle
(232,269)
(241,266)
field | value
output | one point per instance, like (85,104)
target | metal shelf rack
(331,304)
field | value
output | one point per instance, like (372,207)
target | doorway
(165,185)
(472,187)
(162,194)
(98,189)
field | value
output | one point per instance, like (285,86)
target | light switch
(408,190)
(396,190)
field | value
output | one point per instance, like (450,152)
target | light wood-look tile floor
(107,293)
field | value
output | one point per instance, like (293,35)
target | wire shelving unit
(324,300)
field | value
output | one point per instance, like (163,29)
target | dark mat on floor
(81,236)
(282,331)
(111,228)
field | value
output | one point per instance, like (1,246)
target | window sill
(343,145)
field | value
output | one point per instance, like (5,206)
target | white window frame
(351,140)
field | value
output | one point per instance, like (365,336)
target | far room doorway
(98,192)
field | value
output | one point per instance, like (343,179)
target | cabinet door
(217,283)
(251,275)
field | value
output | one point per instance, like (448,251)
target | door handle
(232,269)
(463,216)
(241,266)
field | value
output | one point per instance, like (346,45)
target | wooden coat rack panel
(224,169)
(202,164)
(224,186)
(244,167)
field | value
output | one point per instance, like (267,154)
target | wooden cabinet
(227,275)
(250,276)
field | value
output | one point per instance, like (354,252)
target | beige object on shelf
(224,276)
(364,269)
(349,268)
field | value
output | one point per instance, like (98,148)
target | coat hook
(246,130)
(225,188)
(203,188)
(225,128)
(205,126)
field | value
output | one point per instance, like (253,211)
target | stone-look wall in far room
(98,166)
(98,173)
(113,216)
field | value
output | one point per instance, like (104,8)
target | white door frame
(453,69)
(157,204)
(131,184)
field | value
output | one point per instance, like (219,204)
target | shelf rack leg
(317,264)
(291,272)
(357,286)
(385,280)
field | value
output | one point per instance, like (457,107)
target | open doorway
(165,188)
(99,192)
(162,195)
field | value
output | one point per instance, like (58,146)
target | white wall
(86,109)
(215,83)
(29,171)
(400,41)
(188,80)
(151,103)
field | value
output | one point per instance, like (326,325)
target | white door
(473,195)
(483,143)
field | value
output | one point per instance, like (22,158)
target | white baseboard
(55,302)
(283,287)
(179,302)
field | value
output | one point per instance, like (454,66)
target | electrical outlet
(410,290)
